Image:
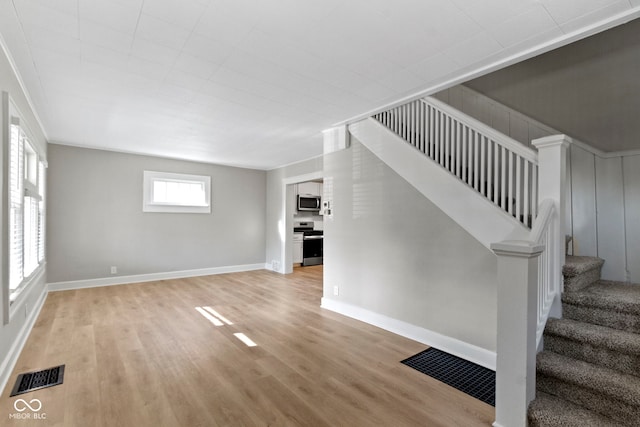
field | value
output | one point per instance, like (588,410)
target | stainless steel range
(312,242)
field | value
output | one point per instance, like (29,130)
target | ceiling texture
(253,83)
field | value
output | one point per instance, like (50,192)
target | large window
(172,192)
(26,210)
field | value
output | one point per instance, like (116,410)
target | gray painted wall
(279,231)
(95,217)
(27,302)
(393,252)
(588,89)
(602,191)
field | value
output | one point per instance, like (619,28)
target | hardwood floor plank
(142,355)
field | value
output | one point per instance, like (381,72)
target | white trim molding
(150,277)
(470,352)
(9,362)
(14,68)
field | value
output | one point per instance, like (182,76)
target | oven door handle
(312,237)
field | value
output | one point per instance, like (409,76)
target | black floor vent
(31,381)
(474,380)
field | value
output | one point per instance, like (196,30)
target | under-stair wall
(472,210)
(392,258)
(603,192)
(508,197)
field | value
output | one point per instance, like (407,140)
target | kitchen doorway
(309,186)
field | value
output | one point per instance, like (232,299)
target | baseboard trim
(10,360)
(150,277)
(453,346)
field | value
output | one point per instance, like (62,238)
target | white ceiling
(254,82)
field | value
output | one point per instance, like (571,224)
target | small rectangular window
(173,192)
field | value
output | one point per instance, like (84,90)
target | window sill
(18,297)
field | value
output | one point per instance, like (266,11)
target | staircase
(589,371)
(510,198)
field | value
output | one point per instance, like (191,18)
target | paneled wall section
(603,188)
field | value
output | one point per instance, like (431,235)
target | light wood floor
(141,355)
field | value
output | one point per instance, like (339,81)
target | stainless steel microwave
(309,203)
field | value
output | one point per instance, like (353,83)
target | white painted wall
(96,220)
(25,310)
(604,188)
(604,207)
(395,255)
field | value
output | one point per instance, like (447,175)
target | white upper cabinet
(310,188)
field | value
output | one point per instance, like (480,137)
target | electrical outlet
(336,290)
(114,269)
(275,265)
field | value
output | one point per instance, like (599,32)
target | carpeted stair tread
(551,411)
(604,381)
(576,265)
(615,296)
(601,345)
(580,272)
(600,336)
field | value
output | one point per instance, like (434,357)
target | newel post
(517,321)
(552,184)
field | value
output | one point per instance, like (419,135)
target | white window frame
(27,183)
(151,177)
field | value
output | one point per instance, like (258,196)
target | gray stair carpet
(605,391)
(589,371)
(611,348)
(612,304)
(580,272)
(552,411)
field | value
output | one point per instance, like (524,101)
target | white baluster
(436,154)
(483,166)
(447,142)
(458,142)
(534,191)
(518,189)
(503,178)
(432,130)
(476,159)
(411,136)
(421,119)
(465,150)
(527,194)
(511,182)
(490,166)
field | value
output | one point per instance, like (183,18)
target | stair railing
(544,233)
(514,178)
(529,287)
(493,164)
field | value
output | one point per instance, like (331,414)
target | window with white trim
(174,192)
(26,210)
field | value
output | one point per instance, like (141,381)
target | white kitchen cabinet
(297,248)
(310,188)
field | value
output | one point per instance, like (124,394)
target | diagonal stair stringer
(474,213)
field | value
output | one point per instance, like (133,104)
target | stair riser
(604,317)
(628,364)
(597,402)
(581,281)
